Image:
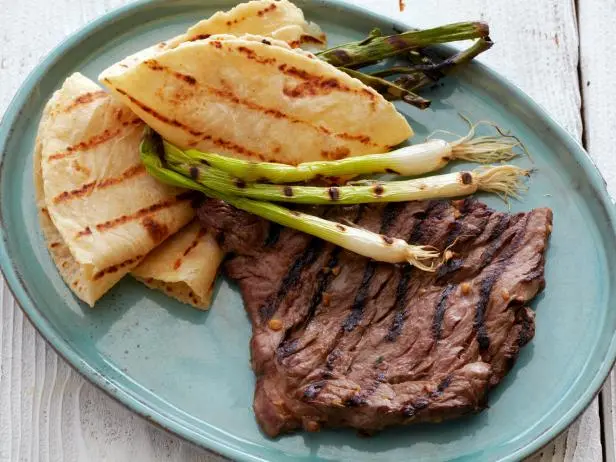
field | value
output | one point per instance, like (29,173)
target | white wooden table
(556,50)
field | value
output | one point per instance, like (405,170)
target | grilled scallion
(412,160)
(358,240)
(505,180)
(380,47)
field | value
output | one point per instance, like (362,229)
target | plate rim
(205,438)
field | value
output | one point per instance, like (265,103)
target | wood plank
(50,413)
(597,69)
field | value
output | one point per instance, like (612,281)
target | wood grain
(49,413)
(599,113)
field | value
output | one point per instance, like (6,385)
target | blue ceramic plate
(189,371)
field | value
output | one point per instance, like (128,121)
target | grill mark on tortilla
(116,267)
(291,279)
(156,66)
(85,98)
(141,213)
(135,170)
(361,297)
(312,85)
(265,10)
(316,85)
(252,55)
(157,231)
(92,142)
(195,242)
(305,38)
(230,145)
(277,114)
(157,115)
(260,13)
(202,232)
(439,313)
(339,153)
(176,123)
(487,283)
(199,37)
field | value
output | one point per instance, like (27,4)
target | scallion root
(504,180)
(486,149)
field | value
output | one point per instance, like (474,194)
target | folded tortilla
(101,213)
(184,266)
(277,19)
(257,99)
(280,20)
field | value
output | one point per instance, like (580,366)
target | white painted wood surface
(49,413)
(599,114)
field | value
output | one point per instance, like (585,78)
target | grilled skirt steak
(341,340)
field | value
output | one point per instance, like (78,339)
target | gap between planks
(596,20)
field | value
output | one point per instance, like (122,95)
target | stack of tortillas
(100,213)
(103,216)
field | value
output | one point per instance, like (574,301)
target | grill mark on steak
(442,386)
(361,296)
(286,349)
(453,264)
(439,314)
(314,372)
(487,283)
(407,270)
(289,346)
(360,299)
(450,266)
(454,232)
(485,289)
(313,389)
(389,215)
(291,279)
(273,235)
(498,239)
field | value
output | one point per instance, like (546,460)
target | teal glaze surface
(189,371)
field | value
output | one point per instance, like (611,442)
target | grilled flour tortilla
(101,213)
(184,266)
(280,20)
(105,134)
(257,99)
(274,19)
